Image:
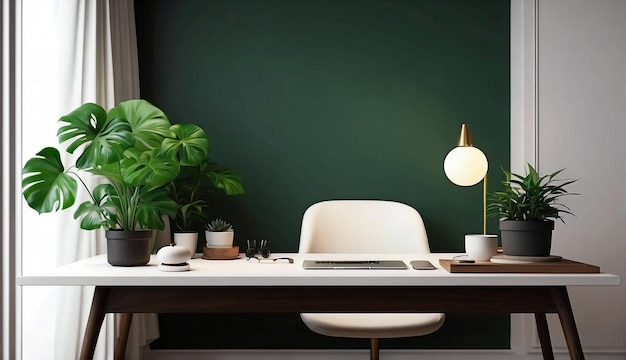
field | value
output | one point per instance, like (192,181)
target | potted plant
(219,234)
(183,235)
(527,209)
(137,151)
(219,241)
(191,189)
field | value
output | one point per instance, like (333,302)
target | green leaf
(95,214)
(82,125)
(104,139)
(189,145)
(150,168)
(530,197)
(155,203)
(227,180)
(45,185)
(189,213)
(149,124)
(112,171)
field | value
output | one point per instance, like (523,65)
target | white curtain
(97,63)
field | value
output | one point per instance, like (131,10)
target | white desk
(240,286)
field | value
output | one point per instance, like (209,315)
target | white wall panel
(582,127)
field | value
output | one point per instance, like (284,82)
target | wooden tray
(220,253)
(562,267)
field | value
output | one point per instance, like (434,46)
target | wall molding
(524,84)
(524,126)
(361,354)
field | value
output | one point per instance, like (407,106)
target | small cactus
(219,225)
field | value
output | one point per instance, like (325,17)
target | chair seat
(373,325)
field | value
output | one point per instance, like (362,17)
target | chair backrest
(362,226)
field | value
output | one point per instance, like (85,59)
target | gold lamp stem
(485,205)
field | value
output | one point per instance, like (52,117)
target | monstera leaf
(112,171)
(149,124)
(45,184)
(150,168)
(225,179)
(155,202)
(189,146)
(104,139)
(95,214)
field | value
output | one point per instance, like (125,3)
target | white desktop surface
(240,272)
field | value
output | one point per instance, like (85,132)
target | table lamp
(466,165)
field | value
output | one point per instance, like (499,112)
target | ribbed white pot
(219,239)
(188,240)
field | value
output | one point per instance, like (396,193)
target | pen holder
(220,253)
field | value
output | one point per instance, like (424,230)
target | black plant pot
(128,248)
(526,238)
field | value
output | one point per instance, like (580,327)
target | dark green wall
(312,100)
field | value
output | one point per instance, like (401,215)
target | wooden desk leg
(94,323)
(564,309)
(120,347)
(544,336)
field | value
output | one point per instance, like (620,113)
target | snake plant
(530,197)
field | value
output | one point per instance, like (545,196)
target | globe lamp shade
(465,165)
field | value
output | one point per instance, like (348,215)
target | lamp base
(481,247)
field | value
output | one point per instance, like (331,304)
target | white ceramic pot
(219,239)
(481,247)
(187,240)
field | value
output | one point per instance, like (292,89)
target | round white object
(172,255)
(465,165)
(481,247)
(174,268)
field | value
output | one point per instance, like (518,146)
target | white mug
(481,247)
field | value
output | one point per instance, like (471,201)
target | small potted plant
(219,241)
(219,234)
(137,151)
(190,190)
(183,235)
(527,209)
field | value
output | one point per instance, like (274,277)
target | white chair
(370,227)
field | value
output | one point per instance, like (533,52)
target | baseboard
(356,355)
(325,354)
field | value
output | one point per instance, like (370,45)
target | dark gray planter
(526,238)
(128,248)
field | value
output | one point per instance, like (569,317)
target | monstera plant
(137,151)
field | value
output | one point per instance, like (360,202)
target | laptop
(354,264)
